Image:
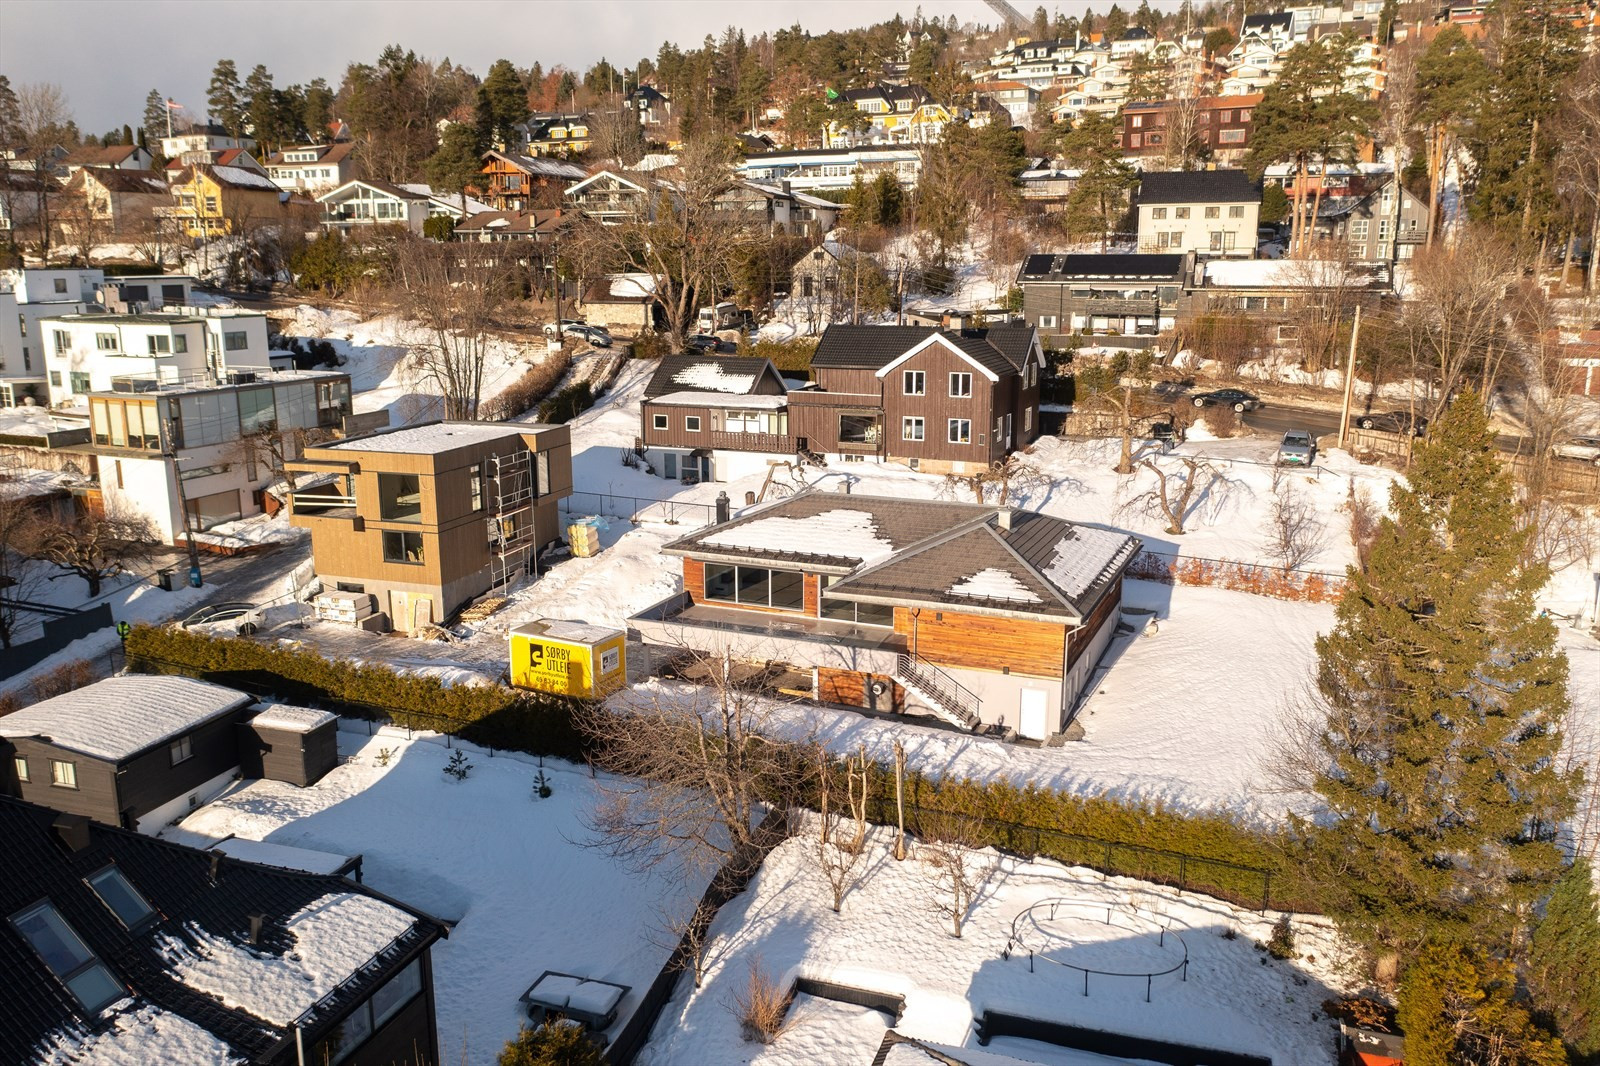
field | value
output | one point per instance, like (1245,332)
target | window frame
(921,386)
(181,749)
(660,422)
(950,434)
(58,779)
(691,423)
(112,872)
(85,965)
(916,422)
(963,378)
(19,763)
(401,560)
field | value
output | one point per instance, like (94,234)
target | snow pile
(842,534)
(890,939)
(1082,556)
(993,584)
(135,1035)
(510,869)
(333,939)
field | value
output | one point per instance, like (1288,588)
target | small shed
(568,658)
(292,744)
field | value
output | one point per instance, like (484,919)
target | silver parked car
(1299,448)
(1583,449)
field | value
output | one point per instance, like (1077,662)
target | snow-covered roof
(743,402)
(1284,274)
(334,938)
(452,200)
(1083,555)
(120,717)
(992,583)
(565,629)
(712,376)
(632,286)
(842,533)
(247,178)
(134,1033)
(282,856)
(430,439)
(287,719)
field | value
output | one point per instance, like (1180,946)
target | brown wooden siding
(96,794)
(852,688)
(677,433)
(287,755)
(1104,613)
(694,583)
(937,407)
(979,642)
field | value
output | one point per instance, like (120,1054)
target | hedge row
(1256,578)
(1207,852)
(492,715)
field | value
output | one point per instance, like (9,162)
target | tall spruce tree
(1445,694)
(155,116)
(225,96)
(1563,973)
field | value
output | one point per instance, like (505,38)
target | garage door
(213,510)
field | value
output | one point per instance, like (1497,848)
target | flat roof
(434,437)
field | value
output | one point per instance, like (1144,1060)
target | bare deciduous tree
(276,448)
(840,858)
(1364,516)
(92,546)
(956,869)
(1295,530)
(761,1005)
(19,577)
(41,120)
(1180,491)
(999,481)
(455,293)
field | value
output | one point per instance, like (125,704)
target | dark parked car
(1394,422)
(1237,399)
(702,342)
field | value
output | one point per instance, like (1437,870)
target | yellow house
(211,200)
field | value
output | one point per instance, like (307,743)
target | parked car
(1237,399)
(598,336)
(1394,422)
(1299,448)
(1583,449)
(702,342)
(565,325)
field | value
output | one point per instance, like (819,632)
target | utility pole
(183,506)
(1349,378)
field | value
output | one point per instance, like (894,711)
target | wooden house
(703,416)
(514,182)
(219,200)
(294,744)
(984,617)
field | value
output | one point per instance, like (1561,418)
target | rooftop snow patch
(723,399)
(282,855)
(842,533)
(1282,274)
(241,176)
(333,938)
(135,1036)
(993,584)
(287,719)
(1082,556)
(432,438)
(122,716)
(709,376)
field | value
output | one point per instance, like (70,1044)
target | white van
(723,316)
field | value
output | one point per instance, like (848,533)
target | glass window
(754,585)
(1236,211)
(960,431)
(117,893)
(21,762)
(916,383)
(63,340)
(475,485)
(719,582)
(1158,212)
(691,423)
(60,284)
(401,547)
(789,590)
(396,993)
(1180,212)
(400,497)
(658,421)
(858,429)
(960,384)
(68,957)
(258,409)
(1213,212)
(105,342)
(235,342)
(911,429)
(63,774)
(181,750)
(160,344)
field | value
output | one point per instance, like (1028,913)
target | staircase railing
(933,684)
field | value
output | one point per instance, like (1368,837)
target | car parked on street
(1299,448)
(1394,422)
(598,336)
(1237,399)
(1582,449)
(702,342)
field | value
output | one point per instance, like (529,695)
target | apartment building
(833,169)
(1106,296)
(1208,212)
(312,168)
(428,518)
(193,453)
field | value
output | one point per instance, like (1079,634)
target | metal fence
(58,633)
(639,509)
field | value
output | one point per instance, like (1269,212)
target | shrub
(524,394)
(793,356)
(651,346)
(555,1043)
(438,227)
(567,404)
(762,1005)
(1222,421)
(458,767)
(1280,944)
(63,679)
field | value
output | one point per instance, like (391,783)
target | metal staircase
(943,694)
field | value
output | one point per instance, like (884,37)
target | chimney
(72,830)
(844,486)
(723,507)
(1002,519)
(216,865)
(956,323)
(256,922)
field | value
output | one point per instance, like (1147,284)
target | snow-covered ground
(511,871)
(890,939)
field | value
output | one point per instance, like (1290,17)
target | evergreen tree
(261,109)
(155,116)
(1116,23)
(10,115)
(1445,694)
(316,110)
(458,164)
(1452,83)
(1563,971)
(506,96)
(127,136)
(1099,199)
(551,1045)
(1459,1007)
(225,97)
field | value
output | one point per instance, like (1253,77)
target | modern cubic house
(141,751)
(428,518)
(985,617)
(942,401)
(1103,295)
(1208,212)
(118,947)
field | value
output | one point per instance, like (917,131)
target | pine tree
(551,1044)
(316,110)
(1452,82)
(458,163)
(1459,1007)
(1445,694)
(1564,963)
(507,97)
(155,116)
(226,97)
(262,108)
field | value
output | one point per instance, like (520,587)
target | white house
(204,139)
(363,205)
(833,168)
(98,351)
(148,440)
(26,296)
(1208,212)
(312,168)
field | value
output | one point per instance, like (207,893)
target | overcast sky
(108,54)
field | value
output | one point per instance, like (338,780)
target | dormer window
(120,897)
(68,957)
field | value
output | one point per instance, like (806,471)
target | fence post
(1183,872)
(1266,890)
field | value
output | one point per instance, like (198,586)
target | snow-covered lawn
(890,939)
(484,853)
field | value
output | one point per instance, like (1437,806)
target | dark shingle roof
(177,882)
(1198,186)
(1046,265)
(1000,349)
(679,373)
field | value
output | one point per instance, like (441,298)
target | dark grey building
(1105,299)
(1373,227)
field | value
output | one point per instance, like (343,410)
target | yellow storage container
(568,658)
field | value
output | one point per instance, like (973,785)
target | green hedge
(493,715)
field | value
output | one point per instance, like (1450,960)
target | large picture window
(400,497)
(862,614)
(401,547)
(756,586)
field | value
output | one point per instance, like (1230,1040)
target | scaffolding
(511,492)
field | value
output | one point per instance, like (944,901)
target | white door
(1034,711)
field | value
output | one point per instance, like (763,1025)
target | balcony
(1097,305)
(774,443)
(803,640)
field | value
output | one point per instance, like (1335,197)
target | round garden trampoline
(1099,940)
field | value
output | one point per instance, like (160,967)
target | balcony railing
(1109,306)
(776,443)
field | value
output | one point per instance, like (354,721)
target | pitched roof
(527,223)
(326,154)
(540,166)
(735,375)
(117,180)
(999,349)
(1198,186)
(119,717)
(319,932)
(100,157)
(1044,266)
